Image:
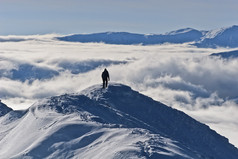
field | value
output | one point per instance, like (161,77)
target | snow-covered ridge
(213,33)
(116,122)
(125,38)
(180,31)
(224,37)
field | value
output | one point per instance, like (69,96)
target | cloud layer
(181,76)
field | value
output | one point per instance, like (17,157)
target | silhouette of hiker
(105,78)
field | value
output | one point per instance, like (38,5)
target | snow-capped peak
(224,37)
(213,33)
(116,122)
(180,31)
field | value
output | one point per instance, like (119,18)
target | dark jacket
(105,75)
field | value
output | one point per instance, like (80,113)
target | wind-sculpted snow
(116,122)
(180,75)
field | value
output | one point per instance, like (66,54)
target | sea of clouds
(181,76)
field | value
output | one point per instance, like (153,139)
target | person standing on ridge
(105,78)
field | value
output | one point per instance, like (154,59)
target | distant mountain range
(224,37)
(116,122)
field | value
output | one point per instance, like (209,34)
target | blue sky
(24,17)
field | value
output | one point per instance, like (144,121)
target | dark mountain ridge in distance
(125,38)
(4,109)
(224,37)
(227,55)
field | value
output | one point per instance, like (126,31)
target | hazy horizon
(28,17)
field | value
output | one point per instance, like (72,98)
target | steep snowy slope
(224,37)
(108,123)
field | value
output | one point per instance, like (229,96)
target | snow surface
(116,122)
(222,37)
(181,31)
(125,38)
(213,33)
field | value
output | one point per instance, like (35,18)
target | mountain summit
(116,122)
(224,37)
